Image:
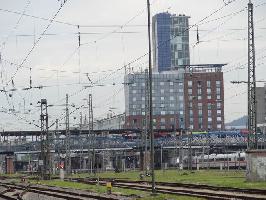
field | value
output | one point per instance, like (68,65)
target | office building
(204,97)
(167,97)
(170,36)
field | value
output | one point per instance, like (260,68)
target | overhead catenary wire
(133,62)
(37,42)
(16,25)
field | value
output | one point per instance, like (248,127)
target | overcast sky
(106,46)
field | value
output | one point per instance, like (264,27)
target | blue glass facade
(163,22)
(170,41)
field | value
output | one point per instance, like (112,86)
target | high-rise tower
(170,41)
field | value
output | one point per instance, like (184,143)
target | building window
(209,97)
(171,90)
(190,105)
(209,126)
(199,91)
(172,105)
(134,84)
(209,113)
(218,105)
(200,105)
(171,83)
(134,91)
(218,90)
(218,83)
(190,112)
(162,120)
(200,112)
(143,84)
(180,90)
(162,98)
(143,98)
(171,112)
(143,106)
(172,120)
(219,119)
(135,121)
(200,126)
(208,84)
(134,99)
(199,84)
(189,83)
(161,83)
(219,112)
(190,91)
(180,98)
(153,98)
(199,97)
(218,96)
(172,98)
(162,91)
(200,120)
(162,127)
(162,105)
(209,119)
(162,112)
(134,106)
(209,91)
(219,126)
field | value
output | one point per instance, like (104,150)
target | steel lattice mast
(45,166)
(252,107)
(67,140)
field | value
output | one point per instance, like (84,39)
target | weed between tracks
(210,177)
(140,195)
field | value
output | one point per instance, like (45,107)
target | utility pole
(56,129)
(146,119)
(252,104)
(91,133)
(67,141)
(81,141)
(45,158)
(150,102)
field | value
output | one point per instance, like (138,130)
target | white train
(219,161)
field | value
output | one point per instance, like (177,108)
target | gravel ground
(34,196)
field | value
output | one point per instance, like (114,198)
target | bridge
(81,142)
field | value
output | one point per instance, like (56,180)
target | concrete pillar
(256,165)
(9,165)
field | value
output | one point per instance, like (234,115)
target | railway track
(6,197)
(203,191)
(61,193)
